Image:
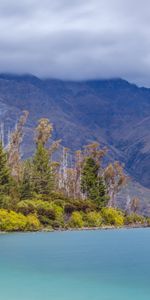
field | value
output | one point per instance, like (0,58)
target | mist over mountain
(112,112)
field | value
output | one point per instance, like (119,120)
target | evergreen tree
(42,171)
(89,175)
(92,185)
(26,185)
(5,178)
(99,192)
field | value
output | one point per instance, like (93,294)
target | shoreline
(51,230)
(95,228)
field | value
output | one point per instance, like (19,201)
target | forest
(49,191)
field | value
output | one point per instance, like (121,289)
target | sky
(76,39)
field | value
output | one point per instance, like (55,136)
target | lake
(76,265)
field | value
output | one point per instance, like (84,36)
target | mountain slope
(113,112)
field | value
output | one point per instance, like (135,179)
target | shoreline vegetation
(41,193)
(49,230)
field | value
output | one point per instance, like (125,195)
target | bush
(5,202)
(12,221)
(32,223)
(45,209)
(59,202)
(58,212)
(72,205)
(69,208)
(93,219)
(112,216)
(134,219)
(148,221)
(57,196)
(47,212)
(45,221)
(26,207)
(76,220)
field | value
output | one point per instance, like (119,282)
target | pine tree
(5,178)
(89,176)
(26,185)
(42,171)
(98,192)
(92,185)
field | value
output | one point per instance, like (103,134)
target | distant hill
(113,112)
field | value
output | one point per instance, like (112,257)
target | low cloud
(76,39)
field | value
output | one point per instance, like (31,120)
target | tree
(115,179)
(99,192)
(89,176)
(43,131)
(94,151)
(14,147)
(42,171)
(5,178)
(135,204)
(42,167)
(92,184)
(26,184)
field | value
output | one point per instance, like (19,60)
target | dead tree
(115,179)
(14,158)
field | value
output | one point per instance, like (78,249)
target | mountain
(114,112)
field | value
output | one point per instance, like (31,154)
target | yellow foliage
(112,216)
(93,219)
(12,221)
(76,220)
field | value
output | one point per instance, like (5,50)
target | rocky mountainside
(113,112)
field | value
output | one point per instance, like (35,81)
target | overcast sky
(76,39)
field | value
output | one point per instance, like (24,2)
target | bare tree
(43,131)
(14,158)
(135,203)
(115,179)
(93,150)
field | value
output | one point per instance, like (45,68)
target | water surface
(97,265)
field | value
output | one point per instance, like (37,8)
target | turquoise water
(97,265)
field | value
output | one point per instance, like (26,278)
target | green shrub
(76,220)
(59,202)
(47,212)
(69,208)
(45,208)
(148,221)
(45,220)
(112,216)
(26,207)
(134,219)
(57,196)
(85,205)
(32,223)
(5,202)
(93,219)
(12,221)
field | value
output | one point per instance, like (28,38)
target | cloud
(80,39)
